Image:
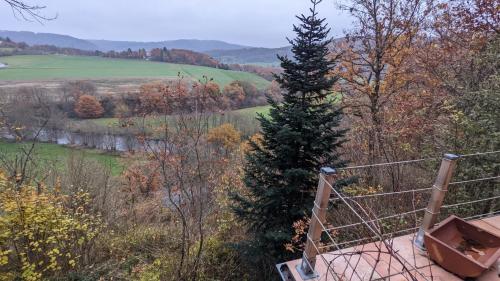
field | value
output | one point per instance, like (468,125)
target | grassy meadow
(245,113)
(243,120)
(58,154)
(49,67)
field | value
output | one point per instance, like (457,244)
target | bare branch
(28,12)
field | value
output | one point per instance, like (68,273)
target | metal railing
(315,248)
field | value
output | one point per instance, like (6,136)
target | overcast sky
(249,22)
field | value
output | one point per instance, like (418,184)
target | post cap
(328,171)
(451,156)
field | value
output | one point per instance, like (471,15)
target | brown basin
(462,248)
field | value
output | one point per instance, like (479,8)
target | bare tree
(28,11)
(27,116)
(182,167)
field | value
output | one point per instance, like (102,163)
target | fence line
(413,161)
(470,202)
(377,219)
(484,216)
(396,255)
(331,239)
(373,237)
(474,180)
(413,190)
(487,215)
(480,153)
(409,212)
(384,194)
(386,164)
(372,224)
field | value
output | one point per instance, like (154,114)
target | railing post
(306,267)
(439,190)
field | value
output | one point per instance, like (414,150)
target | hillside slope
(57,67)
(186,44)
(250,55)
(63,41)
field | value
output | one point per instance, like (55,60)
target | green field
(48,67)
(48,152)
(252,112)
(248,113)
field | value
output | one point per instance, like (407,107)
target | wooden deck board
(386,268)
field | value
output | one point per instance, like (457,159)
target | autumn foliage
(144,179)
(235,94)
(88,107)
(175,97)
(42,232)
(240,94)
(183,57)
(380,93)
(225,136)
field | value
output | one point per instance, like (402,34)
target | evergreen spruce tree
(299,136)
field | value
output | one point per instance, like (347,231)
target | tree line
(11,48)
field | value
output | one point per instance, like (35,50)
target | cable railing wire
(479,153)
(368,223)
(378,234)
(385,193)
(470,202)
(414,190)
(377,219)
(408,213)
(391,234)
(386,164)
(333,242)
(322,257)
(396,255)
(483,216)
(474,180)
(413,161)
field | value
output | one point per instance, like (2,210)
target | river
(106,142)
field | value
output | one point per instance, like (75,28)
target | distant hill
(250,55)
(224,52)
(63,41)
(255,55)
(186,44)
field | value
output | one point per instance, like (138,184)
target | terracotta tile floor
(354,266)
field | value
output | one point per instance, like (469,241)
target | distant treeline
(185,57)
(193,58)
(178,56)
(11,48)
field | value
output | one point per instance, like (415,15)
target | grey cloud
(247,22)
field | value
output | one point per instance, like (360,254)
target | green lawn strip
(50,67)
(48,152)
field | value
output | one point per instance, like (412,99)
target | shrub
(235,93)
(243,94)
(225,136)
(88,107)
(43,233)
